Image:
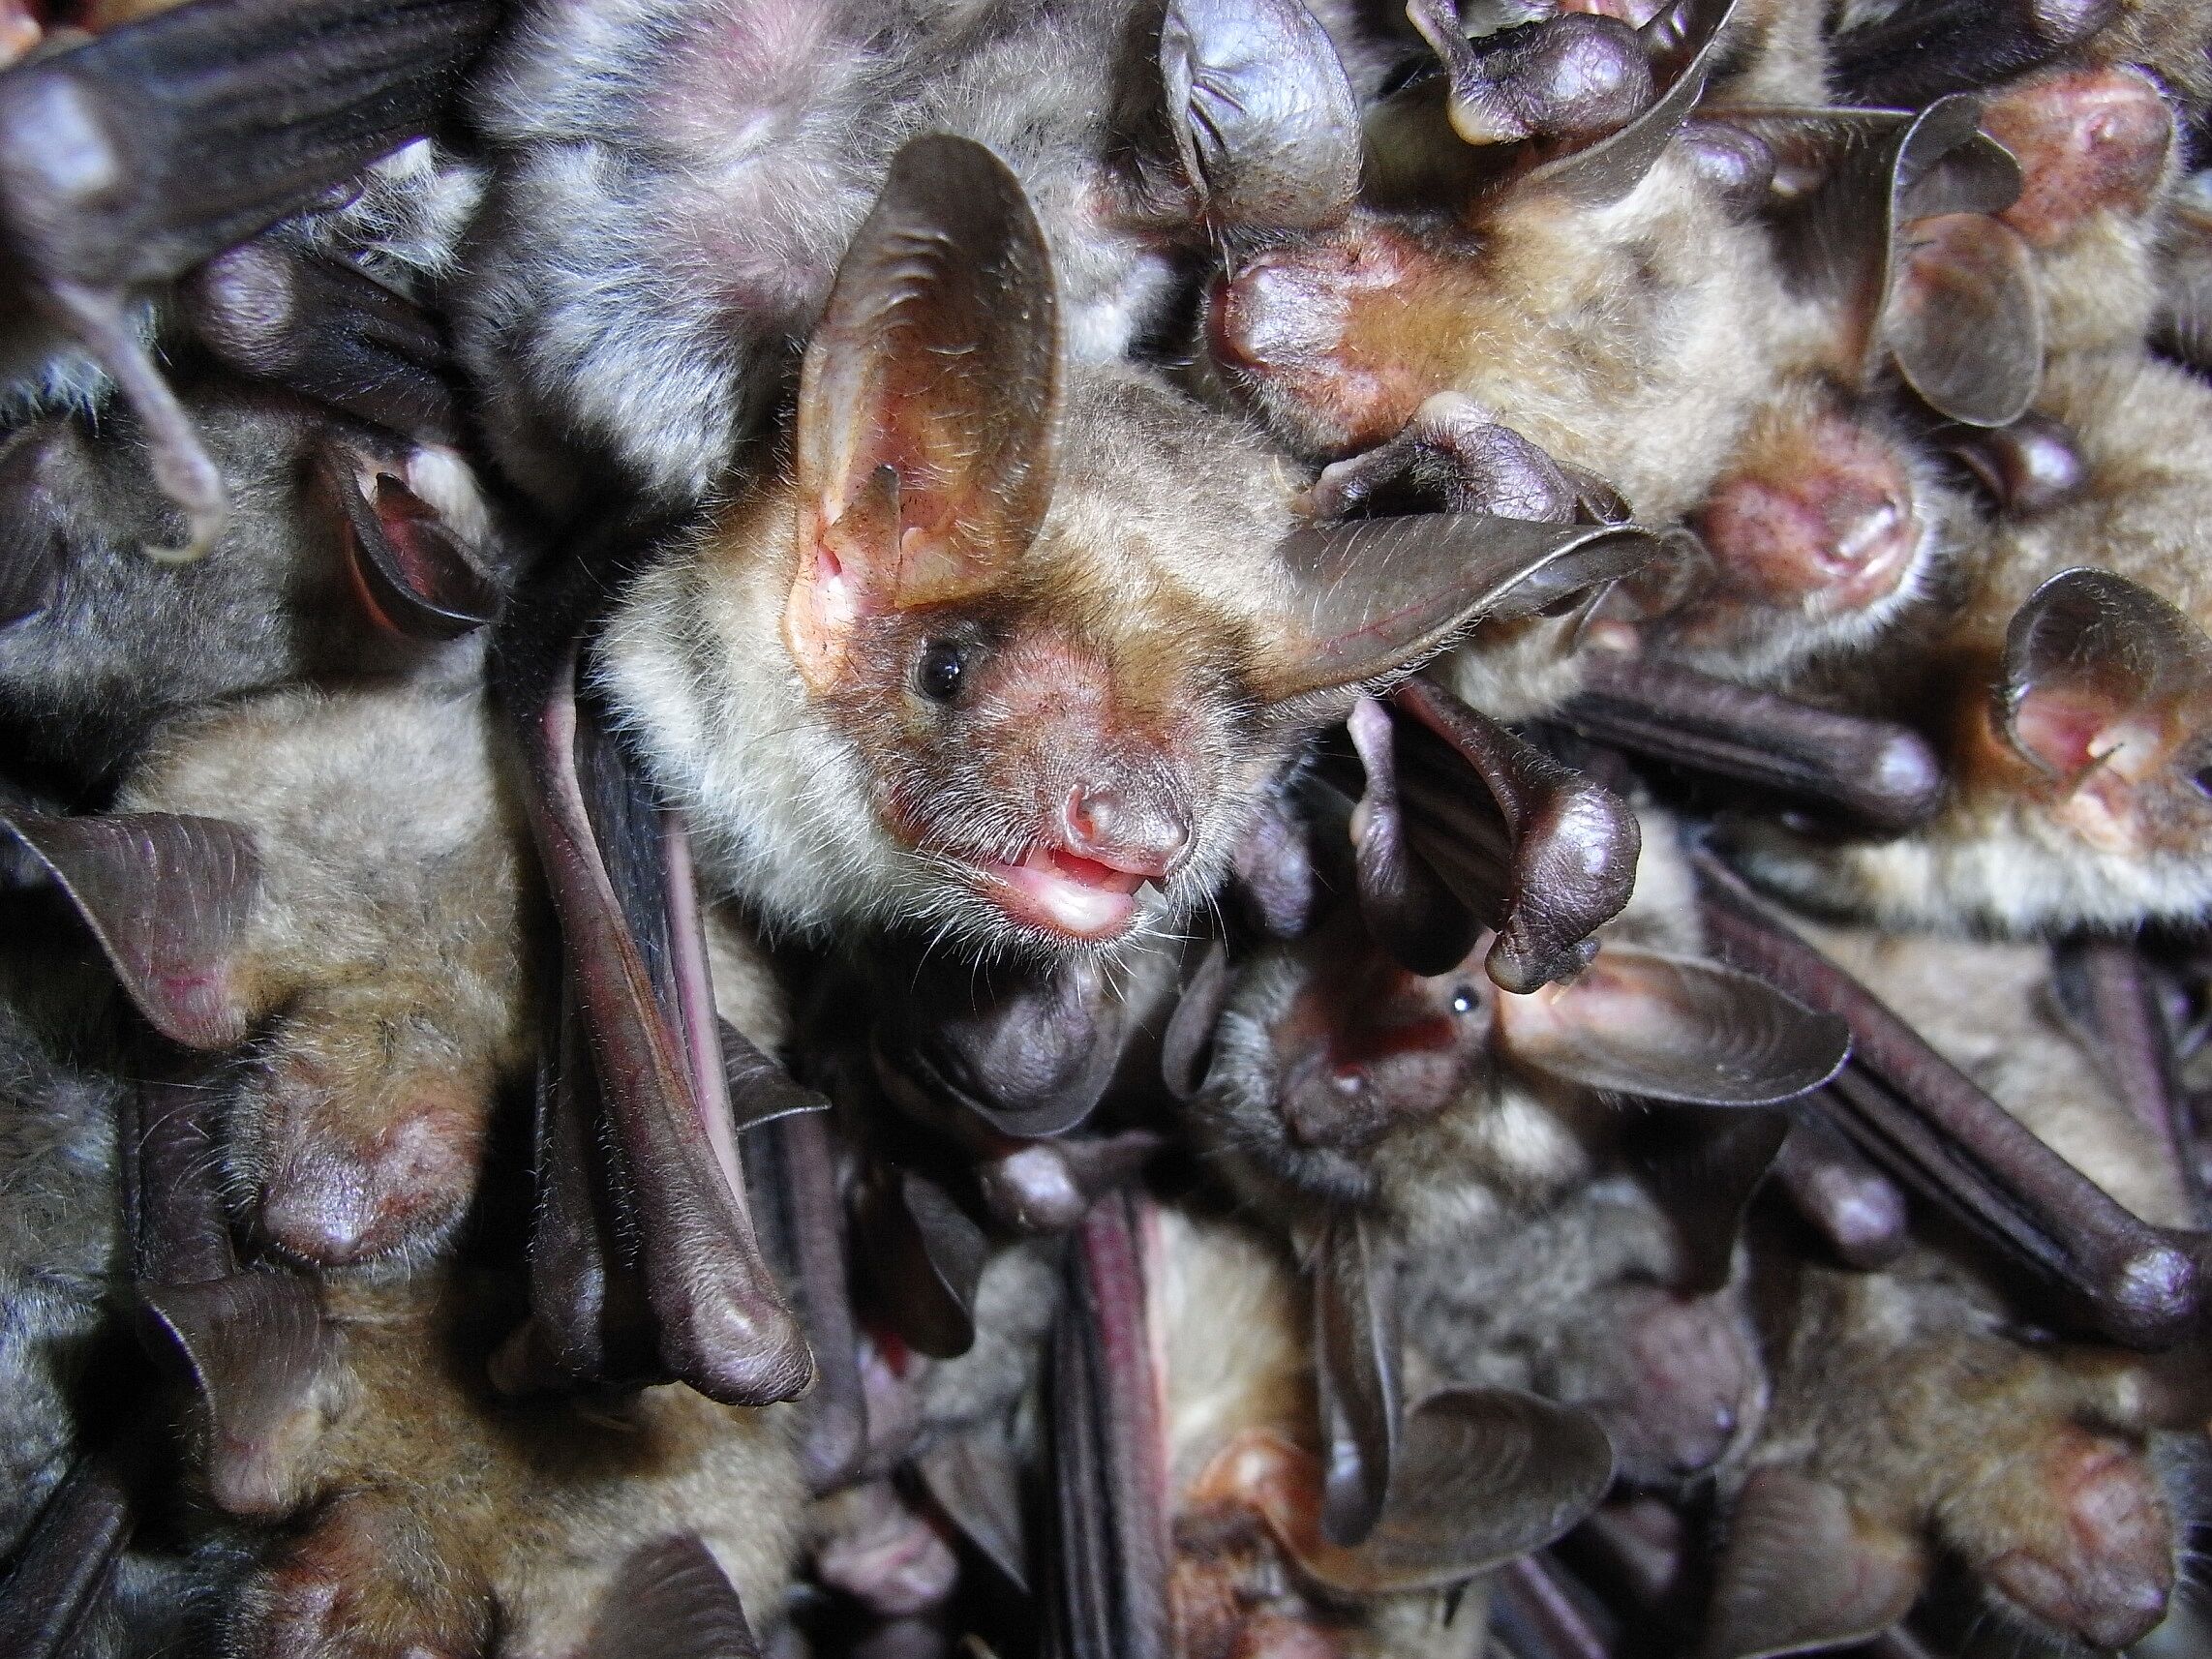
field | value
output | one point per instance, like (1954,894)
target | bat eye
(1463,999)
(2201,777)
(943,664)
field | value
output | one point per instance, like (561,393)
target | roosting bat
(671,193)
(464,1523)
(1403,1128)
(949,706)
(135,155)
(349,554)
(359,912)
(2065,693)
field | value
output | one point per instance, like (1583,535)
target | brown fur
(387,952)
(449,1515)
(1632,341)
(1905,1389)
(2014,847)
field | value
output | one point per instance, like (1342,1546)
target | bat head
(2088,140)
(1339,1074)
(346,552)
(1823,525)
(1041,634)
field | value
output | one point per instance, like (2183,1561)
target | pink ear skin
(412,573)
(928,405)
(2088,140)
(2104,694)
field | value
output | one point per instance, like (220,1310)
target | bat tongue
(1068,894)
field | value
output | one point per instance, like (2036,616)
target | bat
(906,689)
(2035,1475)
(720,161)
(1427,1119)
(346,553)
(123,173)
(2059,694)
(537,1519)
(266,876)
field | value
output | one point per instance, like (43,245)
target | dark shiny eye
(1463,999)
(2201,777)
(943,665)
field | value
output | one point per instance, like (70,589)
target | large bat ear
(928,403)
(166,896)
(671,1600)
(2105,685)
(1801,1572)
(1887,221)
(1266,125)
(1369,596)
(1356,1364)
(421,569)
(1672,1028)
(1484,1474)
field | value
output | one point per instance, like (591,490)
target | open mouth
(1064,892)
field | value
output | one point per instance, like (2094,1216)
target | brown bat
(457,1522)
(359,912)
(2063,693)
(671,193)
(122,173)
(1186,1473)
(348,553)
(909,685)
(1429,1120)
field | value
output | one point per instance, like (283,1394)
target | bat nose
(1144,833)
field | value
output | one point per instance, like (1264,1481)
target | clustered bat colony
(1251,828)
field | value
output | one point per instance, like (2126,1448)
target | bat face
(1446,1105)
(1020,635)
(1013,766)
(102,642)
(1323,1054)
(1821,528)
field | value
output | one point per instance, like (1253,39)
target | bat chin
(1065,896)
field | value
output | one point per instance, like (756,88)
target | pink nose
(1147,837)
